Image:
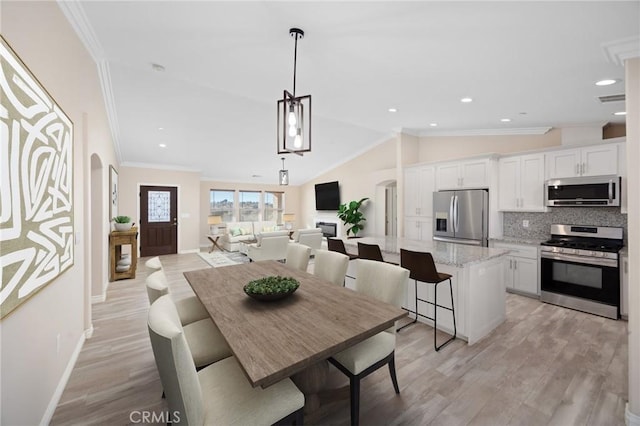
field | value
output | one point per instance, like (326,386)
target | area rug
(217,259)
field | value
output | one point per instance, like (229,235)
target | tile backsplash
(540,223)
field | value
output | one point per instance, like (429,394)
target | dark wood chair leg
(392,372)
(355,400)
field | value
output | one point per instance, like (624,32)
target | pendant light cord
(295,61)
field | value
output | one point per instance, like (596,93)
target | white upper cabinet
(588,161)
(465,174)
(419,184)
(521,183)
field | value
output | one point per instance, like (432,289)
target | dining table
(294,336)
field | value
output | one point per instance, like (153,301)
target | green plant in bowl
(271,288)
(122,219)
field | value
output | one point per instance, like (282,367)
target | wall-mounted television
(327,196)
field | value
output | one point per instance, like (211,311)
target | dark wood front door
(158,220)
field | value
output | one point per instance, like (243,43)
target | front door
(158,220)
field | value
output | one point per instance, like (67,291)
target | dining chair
(422,268)
(189,308)
(203,336)
(217,394)
(385,282)
(336,244)
(153,263)
(298,256)
(331,266)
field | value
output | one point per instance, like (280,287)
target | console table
(116,240)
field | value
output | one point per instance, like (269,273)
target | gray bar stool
(422,268)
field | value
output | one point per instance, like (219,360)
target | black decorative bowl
(271,288)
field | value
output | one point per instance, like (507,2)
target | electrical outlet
(525,223)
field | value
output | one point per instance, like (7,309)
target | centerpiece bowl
(271,288)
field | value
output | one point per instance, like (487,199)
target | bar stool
(422,268)
(370,252)
(334,244)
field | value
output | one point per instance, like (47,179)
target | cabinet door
(508,189)
(447,176)
(474,174)
(525,275)
(426,229)
(531,181)
(600,160)
(411,192)
(427,180)
(563,163)
(411,228)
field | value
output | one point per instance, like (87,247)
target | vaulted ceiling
(226,64)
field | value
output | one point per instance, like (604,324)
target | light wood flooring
(545,365)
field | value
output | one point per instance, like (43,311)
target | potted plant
(122,223)
(351,216)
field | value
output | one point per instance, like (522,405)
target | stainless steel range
(580,269)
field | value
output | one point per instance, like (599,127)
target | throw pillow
(245,231)
(235,232)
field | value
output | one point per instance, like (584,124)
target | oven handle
(610,191)
(580,259)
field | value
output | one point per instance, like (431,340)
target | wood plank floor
(545,365)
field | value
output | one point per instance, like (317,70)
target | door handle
(577,168)
(455,212)
(515,264)
(451,216)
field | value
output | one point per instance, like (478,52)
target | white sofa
(270,246)
(309,237)
(239,232)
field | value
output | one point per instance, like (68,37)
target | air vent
(611,98)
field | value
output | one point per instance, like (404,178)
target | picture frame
(113,192)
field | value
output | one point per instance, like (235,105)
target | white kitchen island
(478,283)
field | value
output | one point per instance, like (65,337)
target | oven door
(594,279)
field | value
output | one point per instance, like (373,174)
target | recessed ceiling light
(162,145)
(157,67)
(466,100)
(393,110)
(160,128)
(606,82)
(620,113)
(522,113)
(256,176)
(433,124)
(505,120)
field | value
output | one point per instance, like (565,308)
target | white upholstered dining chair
(331,266)
(385,282)
(205,341)
(218,394)
(153,263)
(269,246)
(298,256)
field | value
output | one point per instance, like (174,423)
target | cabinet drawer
(519,250)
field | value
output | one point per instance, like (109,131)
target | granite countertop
(458,255)
(519,240)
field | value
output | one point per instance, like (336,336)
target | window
(221,204)
(273,206)
(249,206)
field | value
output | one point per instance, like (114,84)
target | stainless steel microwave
(587,191)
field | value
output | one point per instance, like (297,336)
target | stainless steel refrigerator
(461,217)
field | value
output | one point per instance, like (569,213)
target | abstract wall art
(36,184)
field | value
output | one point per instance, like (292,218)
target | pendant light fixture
(283,175)
(294,113)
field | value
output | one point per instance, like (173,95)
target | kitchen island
(478,283)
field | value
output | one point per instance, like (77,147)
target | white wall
(41,338)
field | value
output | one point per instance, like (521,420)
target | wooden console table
(116,240)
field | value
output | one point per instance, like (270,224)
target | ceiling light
(283,176)
(620,113)
(294,113)
(466,100)
(162,145)
(606,82)
(505,120)
(433,124)
(160,128)
(393,110)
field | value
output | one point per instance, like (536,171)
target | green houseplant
(122,223)
(351,216)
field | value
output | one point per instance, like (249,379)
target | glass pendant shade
(284,177)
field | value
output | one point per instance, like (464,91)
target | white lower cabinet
(522,269)
(418,228)
(624,286)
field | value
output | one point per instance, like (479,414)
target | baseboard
(190,251)
(55,399)
(630,418)
(99,298)
(88,333)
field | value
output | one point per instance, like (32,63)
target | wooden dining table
(279,339)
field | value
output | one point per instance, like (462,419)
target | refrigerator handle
(451,214)
(456,222)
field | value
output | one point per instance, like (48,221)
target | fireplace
(328,229)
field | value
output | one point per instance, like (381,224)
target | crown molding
(488,132)
(73,11)
(159,167)
(618,51)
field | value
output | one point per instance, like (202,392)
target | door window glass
(159,204)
